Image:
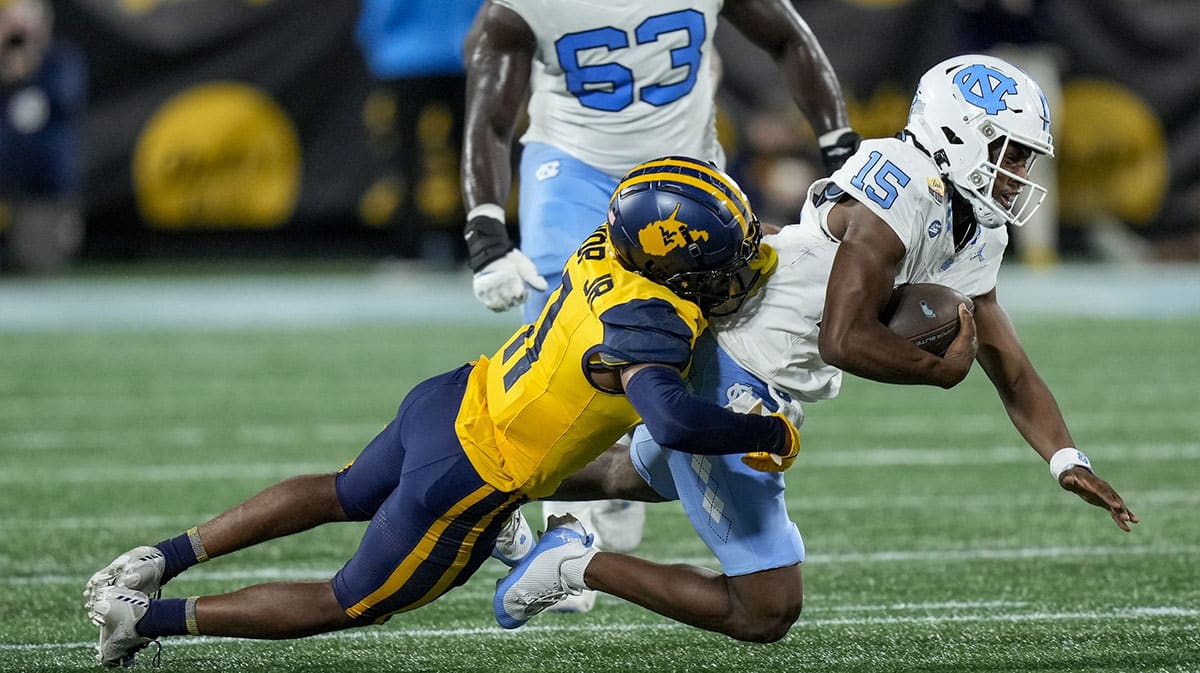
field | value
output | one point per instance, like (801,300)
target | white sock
(572,571)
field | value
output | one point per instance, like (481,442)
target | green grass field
(936,539)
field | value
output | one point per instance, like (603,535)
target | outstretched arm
(776,28)
(1032,407)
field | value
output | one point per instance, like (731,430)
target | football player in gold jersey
(469,446)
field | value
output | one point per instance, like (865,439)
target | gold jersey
(531,415)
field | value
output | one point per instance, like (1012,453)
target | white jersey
(974,269)
(774,336)
(618,82)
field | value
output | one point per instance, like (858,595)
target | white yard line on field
(353,435)
(279,573)
(1131,614)
(410,294)
(857,457)
(107,472)
(996,455)
(884,425)
(800,504)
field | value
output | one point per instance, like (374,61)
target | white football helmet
(963,106)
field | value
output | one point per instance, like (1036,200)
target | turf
(936,539)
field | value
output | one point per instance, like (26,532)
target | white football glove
(502,284)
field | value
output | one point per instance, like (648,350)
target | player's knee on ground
(765,623)
(764,605)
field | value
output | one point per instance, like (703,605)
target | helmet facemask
(995,210)
(720,292)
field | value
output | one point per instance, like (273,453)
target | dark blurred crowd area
(43,89)
(162,130)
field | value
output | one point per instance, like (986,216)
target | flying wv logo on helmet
(662,236)
(686,225)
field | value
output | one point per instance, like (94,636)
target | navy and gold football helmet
(685,224)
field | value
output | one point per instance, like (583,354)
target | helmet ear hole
(940,158)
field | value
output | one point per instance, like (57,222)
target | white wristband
(831,137)
(491,210)
(1065,459)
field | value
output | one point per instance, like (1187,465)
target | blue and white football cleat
(117,611)
(140,569)
(537,582)
(515,540)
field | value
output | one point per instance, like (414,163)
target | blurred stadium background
(254,128)
(257,276)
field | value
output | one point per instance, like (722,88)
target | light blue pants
(739,512)
(562,201)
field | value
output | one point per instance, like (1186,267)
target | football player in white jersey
(610,83)
(928,206)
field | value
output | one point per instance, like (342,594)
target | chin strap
(964,222)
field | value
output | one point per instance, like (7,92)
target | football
(926,314)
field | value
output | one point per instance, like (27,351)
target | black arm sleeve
(680,420)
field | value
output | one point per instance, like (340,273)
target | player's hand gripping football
(960,355)
(1094,490)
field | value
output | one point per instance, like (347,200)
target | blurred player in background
(930,205)
(608,85)
(468,447)
(43,86)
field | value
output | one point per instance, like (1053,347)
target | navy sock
(179,554)
(164,617)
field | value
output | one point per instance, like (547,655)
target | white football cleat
(116,611)
(586,513)
(140,569)
(538,582)
(515,540)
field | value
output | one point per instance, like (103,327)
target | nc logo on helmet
(662,236)
(985,87)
